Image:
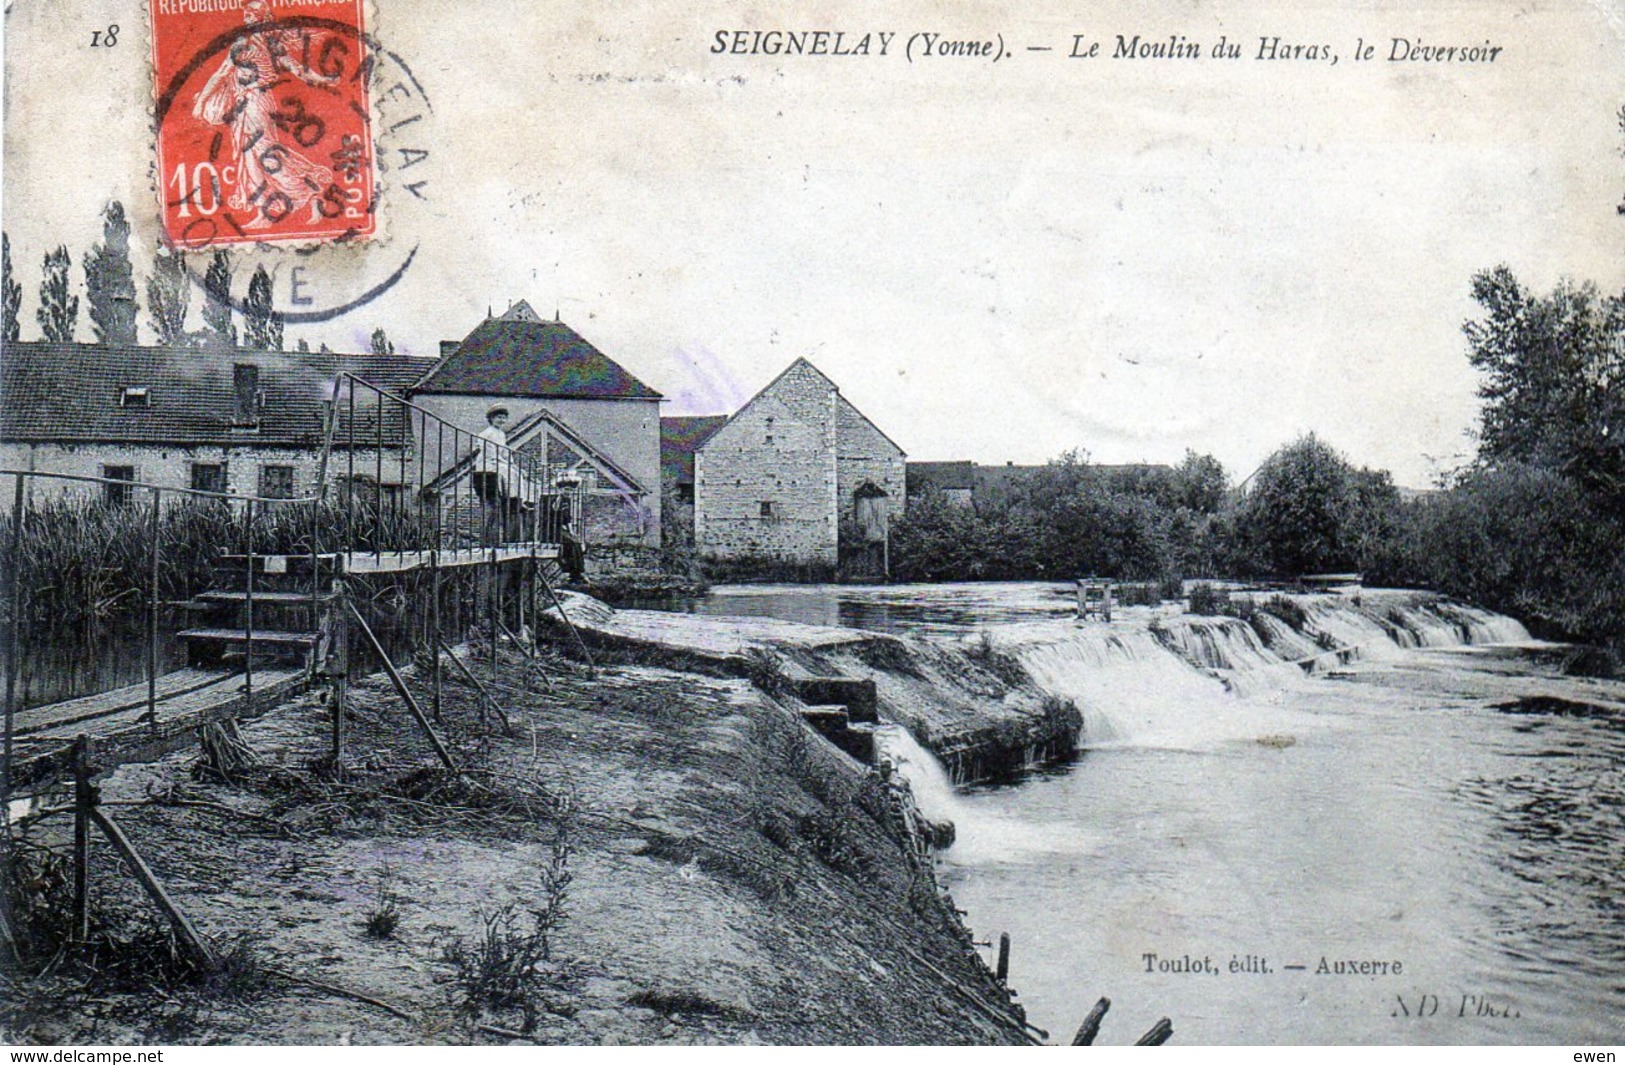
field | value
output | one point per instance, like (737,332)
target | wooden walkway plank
(132,696)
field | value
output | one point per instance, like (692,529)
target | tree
(217,299)
(58,307)
(304,345)
(11,293)
(1554,380)
(262,325)
(1200,483)
(169,294)
(381,344)
(110,281)
(1295,518)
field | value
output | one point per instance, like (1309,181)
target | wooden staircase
(279,616)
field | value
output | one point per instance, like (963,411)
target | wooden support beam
(469,676)
(400,687)
(195,944)
(1091,1024)
(565,617)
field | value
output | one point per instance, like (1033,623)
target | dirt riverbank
(646,856)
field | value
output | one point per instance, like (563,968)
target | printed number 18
(105,38)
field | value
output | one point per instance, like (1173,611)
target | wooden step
(294,598)
(266,636)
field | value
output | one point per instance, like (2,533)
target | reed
(80,561)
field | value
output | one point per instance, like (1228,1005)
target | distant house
(798,475)
(956,481)
(215,420)
(251,422)
(569,403)
(993,487)
(680,437)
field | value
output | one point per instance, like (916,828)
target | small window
(118,495)
(135,397)
(769,438)
(208,477)
(685,493)
(767,508)
(276,482)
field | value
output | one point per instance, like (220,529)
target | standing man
(491,479)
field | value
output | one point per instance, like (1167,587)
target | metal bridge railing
(409,480)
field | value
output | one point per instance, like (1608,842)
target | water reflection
(936,609)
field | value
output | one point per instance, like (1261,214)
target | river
(1422,845)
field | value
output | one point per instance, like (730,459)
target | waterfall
(1134,688)
(980,837)
(1182,681)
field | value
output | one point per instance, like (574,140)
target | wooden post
(248,609)
(14,599)
(401,688)
(434,610)
(339,664)
(152,615)
(535,579)
(14,659)
(492,589)
(1091,1024)
(1159,1034)
(1003,970)
(568,624)
(84,801)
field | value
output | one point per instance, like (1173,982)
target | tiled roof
(679,437)
(516,355)
(941,475)
(68,393)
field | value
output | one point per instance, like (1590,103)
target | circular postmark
(269,134)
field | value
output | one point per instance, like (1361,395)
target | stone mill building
(798,475)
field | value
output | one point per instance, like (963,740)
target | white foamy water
(1444,800)
(980,835)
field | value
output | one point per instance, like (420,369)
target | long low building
(254,422)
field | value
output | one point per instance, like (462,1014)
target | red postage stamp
(262,121)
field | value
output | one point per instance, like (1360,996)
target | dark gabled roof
(69,393)
(771,389)
(679,438)
(940,475)
(518,355)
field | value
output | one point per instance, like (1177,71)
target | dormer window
(135,397)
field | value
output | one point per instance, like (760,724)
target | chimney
(449,346)
(245,386)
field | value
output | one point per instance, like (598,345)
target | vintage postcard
(903,523)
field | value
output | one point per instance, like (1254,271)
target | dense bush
(1070,519)
(1523,540)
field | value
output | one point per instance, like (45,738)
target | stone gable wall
(769,454)
(864,454)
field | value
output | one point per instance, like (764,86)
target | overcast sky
(996,261)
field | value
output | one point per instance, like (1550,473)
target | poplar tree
(110,282)
(217,299)
(262,326)
(58,307)
(168,296)
(12,294)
